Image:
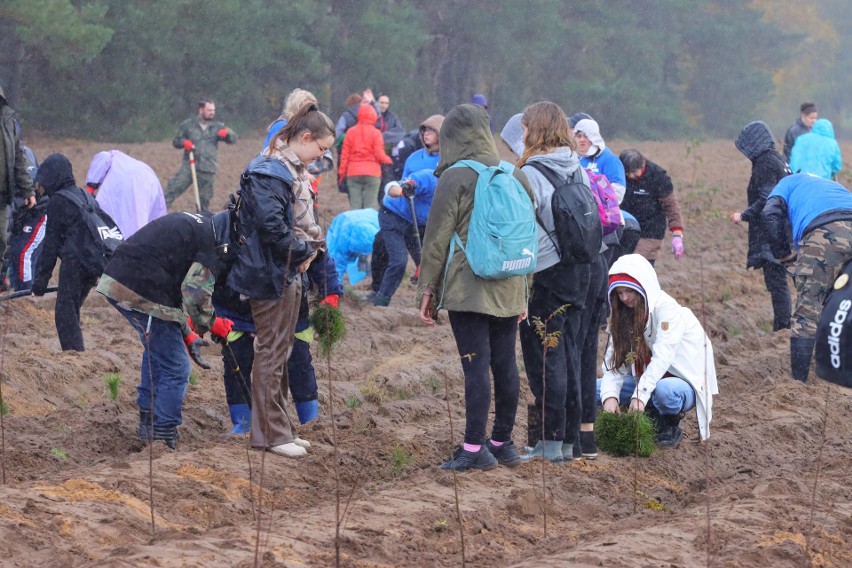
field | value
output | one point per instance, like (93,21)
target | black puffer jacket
(271,252)
(768,168)
(65,226)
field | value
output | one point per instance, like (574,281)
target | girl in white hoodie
(654,338)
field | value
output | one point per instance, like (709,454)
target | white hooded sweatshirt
(678,345)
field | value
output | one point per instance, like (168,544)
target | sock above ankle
(496,444)
(472,447)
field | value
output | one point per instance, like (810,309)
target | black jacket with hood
(768,168)
(270,251)
(65,227)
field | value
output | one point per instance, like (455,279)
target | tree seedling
(616,433)
(353,402)
(5,409)
(59,453)
(399,459)
(112,380)
(193,378)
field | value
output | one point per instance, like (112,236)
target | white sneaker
(302,443)
(290,450)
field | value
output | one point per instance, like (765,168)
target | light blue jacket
(817,151)
(423,194)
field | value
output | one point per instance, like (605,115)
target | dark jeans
(593,314)
(75,283)
(775,278)
(165,367)
(398,236)
(487,342)
(378,261)
(555,378)
(243,350)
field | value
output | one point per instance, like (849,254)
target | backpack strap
(551,178)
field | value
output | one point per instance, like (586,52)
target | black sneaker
(506,454)
(463,460)
(589,449)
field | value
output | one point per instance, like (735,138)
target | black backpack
(101,237)
(577,233)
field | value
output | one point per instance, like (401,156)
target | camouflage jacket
(206,142)
(197,292)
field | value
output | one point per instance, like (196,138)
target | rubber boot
(533,426)
(307,411)
(669,433)
(168,434)
(240,418)
(801,352)
(551,450)
(144,424)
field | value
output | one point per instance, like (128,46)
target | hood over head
(434,122)
(639,269)
(513,134)
(466,134)
(55,173)
(101,164)
(367,115)
(755,139)
(590,128)
(823,127)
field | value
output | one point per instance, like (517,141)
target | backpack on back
(502,237)
(577,233)
(607,201)
(101,237)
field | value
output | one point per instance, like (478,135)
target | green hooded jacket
(465,135)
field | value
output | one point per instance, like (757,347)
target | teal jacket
(817,152)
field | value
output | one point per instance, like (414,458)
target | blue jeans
(673,395)
(165,363)
(399,242)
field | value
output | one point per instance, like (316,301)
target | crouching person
(654,338)
(161,275)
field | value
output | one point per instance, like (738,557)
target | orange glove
(222,327)
(332,300)
(188,145)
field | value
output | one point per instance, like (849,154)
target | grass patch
(372,392)
(193,378)
(726,295)
(353,402)
(435,384)
(440,525)
(765,326)
(399,459)
(616,433)
(59,453)
(735,330)
(403,393)
(5,409)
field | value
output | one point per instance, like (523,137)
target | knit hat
(479,99)
(513,134)
(577,117)
(626,281)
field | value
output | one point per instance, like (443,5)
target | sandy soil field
(76,490)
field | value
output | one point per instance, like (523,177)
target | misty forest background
(128,70)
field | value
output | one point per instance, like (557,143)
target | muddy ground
(76,489)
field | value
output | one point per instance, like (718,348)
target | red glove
(222,327)
(188,145)
(223,133)
(190,338)
(90,189)
(332,300)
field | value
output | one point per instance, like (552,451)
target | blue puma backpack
(502,238)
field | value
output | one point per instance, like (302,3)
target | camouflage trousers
(822,254)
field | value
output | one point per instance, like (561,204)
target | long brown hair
(627,333)
(547,128)
(307,118)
